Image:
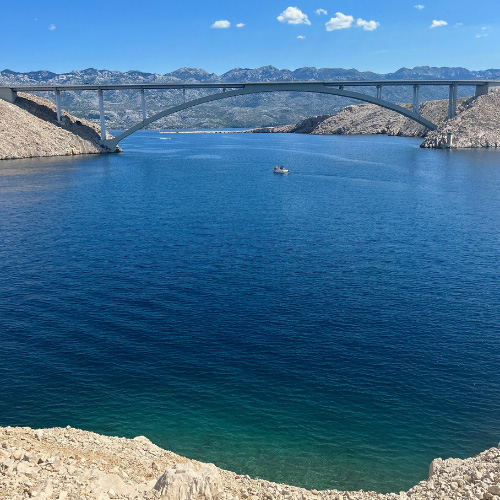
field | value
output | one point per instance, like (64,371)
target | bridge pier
(143,103)
(58,105)
(452,101)
(416,102)
(379,91)
(7,94)
(101,112)
(486,88)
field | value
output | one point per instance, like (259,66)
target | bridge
(227,90)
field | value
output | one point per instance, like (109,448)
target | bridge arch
(263,87)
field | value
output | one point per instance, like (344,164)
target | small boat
(280,169)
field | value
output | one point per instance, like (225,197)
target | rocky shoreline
(476,125)
(29,128)
(72,464)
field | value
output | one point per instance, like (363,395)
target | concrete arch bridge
(339,88)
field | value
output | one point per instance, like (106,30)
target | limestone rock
(436,465)
(29,128)
(494,489)
(190,482)
(80,465)
(476,125)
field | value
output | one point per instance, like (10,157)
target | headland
(29,128)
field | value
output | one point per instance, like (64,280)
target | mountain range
(122,108)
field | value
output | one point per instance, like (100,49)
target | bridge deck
(239,85)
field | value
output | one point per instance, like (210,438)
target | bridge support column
(379,91)
(143,103)
(416,101)
(184,95)
(452,102)
(481,90)
(58,105)
(101,112)
(486,88)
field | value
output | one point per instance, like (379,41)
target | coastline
(29,129)
(476,125)
(70,464)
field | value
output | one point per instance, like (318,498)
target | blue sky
(162,36)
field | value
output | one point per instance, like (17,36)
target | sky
(160,36)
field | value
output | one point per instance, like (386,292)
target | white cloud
(293,15)
(240,25)
(52,27)
(419,7)
(301,37)
(483,32)
(321,11)
(459,24)
(367,25)
(221,24)
(339,22)
(436,24)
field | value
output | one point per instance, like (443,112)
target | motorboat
(280,169)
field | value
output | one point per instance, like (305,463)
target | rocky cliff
(71,464)
(29,128)
(477,123)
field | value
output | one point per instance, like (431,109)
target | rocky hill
(366,119)
(477,123)
(71,464)
(123,109)
(29,128)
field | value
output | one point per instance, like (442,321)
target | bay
(333,328)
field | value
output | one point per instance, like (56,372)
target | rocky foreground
(71,464)
(476,125)
(29,128)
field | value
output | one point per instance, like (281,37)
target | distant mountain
(429,73)
(123,108)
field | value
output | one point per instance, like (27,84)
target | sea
(336,327)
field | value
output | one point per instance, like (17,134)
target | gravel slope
(29,128)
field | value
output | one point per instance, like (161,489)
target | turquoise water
(333,328)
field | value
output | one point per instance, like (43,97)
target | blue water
(334,328)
